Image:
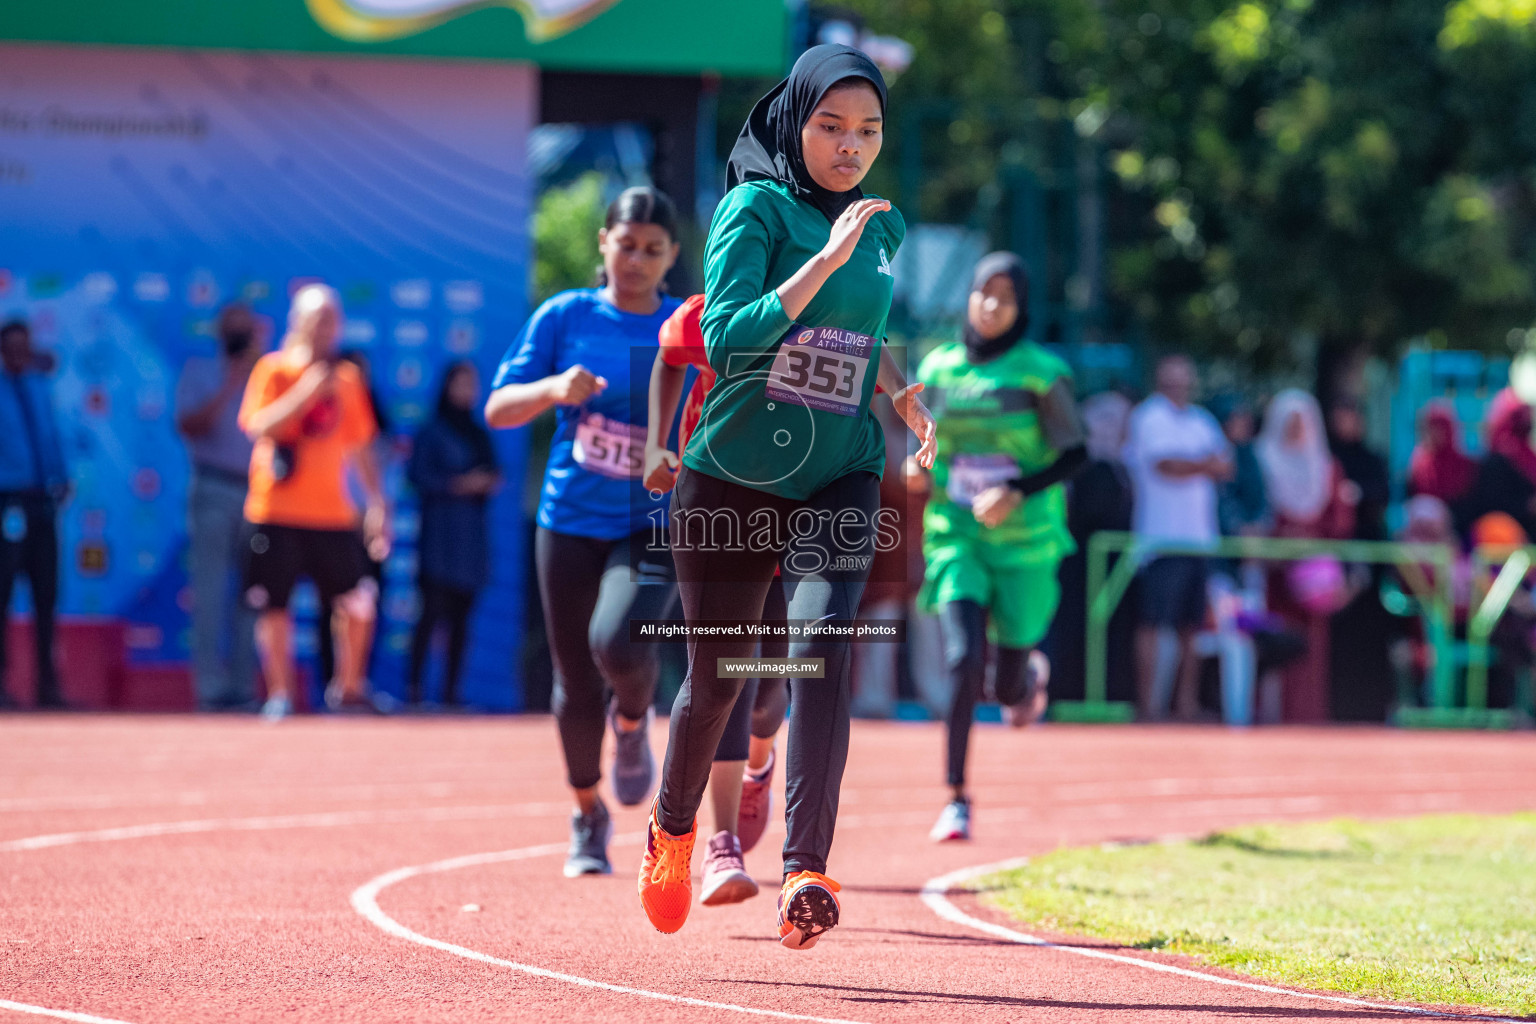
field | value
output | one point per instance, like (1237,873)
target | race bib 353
(821,368)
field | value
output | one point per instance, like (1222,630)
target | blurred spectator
(33,483)
(383,456)
(309,416)
(1176,453)
(1312,499)
(1440,468)
(1098,498)
(453,467)
(1364,468)
(1242,504)
(207,414)
(1427,520)
(1360,672)
(1506,477)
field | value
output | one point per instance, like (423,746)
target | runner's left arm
(1063,429)
(908,406)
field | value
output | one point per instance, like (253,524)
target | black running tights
(964,626)
(730,581)
(591,589)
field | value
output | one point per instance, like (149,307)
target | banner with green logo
(730,37)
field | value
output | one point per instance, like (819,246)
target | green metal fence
(1492,601)
(1106,588)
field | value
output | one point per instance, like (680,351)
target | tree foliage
(565,226)
(1349,171)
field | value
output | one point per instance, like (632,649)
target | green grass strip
(1435,909)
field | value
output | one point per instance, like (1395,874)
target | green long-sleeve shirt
(790,446)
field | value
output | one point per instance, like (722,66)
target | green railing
(1107,587)
(1492,603)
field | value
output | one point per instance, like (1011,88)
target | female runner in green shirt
(784,466)
(996,524)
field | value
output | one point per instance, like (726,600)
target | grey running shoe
(954,822)
(756,805)
(725,875)
(1032,708)
(276,709)
(634,766)
(590,834)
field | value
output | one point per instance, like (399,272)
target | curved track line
(365,902)
(43,1011)
(324,819)
(935,894)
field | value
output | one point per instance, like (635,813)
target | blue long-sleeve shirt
(31,447)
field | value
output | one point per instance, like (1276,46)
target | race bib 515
(610,447)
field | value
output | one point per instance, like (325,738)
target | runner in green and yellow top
(996,523)
(784,467)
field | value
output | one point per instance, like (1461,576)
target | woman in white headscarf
(1310,498)
(1304,482)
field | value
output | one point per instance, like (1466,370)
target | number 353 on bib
(821,368)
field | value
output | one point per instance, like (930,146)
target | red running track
(215,869)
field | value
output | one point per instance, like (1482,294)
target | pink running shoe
(725,875)
(756,804)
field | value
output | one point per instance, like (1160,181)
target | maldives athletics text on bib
(610,447)
(821,368)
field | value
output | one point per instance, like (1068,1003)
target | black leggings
(760,707)
(591,589)
(964,625)
(444,605)
(728,576)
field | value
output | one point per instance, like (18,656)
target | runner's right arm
(666,391)
(742,313)
(513,405)
(533,382)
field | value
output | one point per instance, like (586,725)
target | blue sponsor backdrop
(141,190)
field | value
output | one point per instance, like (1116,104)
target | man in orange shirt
(310,418)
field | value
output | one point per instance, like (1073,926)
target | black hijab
(977,348)
(768,147)
(465,422)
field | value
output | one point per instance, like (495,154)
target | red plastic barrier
(93,669)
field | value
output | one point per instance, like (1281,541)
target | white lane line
(43,1011)
(326,819)
(365,902)
(197,798)
(935,895)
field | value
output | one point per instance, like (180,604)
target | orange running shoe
(808,908)
(666,876)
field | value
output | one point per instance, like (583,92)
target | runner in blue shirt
(597,568)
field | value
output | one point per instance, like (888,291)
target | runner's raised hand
(849,228)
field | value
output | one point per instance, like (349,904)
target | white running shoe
(276,709)
(954,822)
